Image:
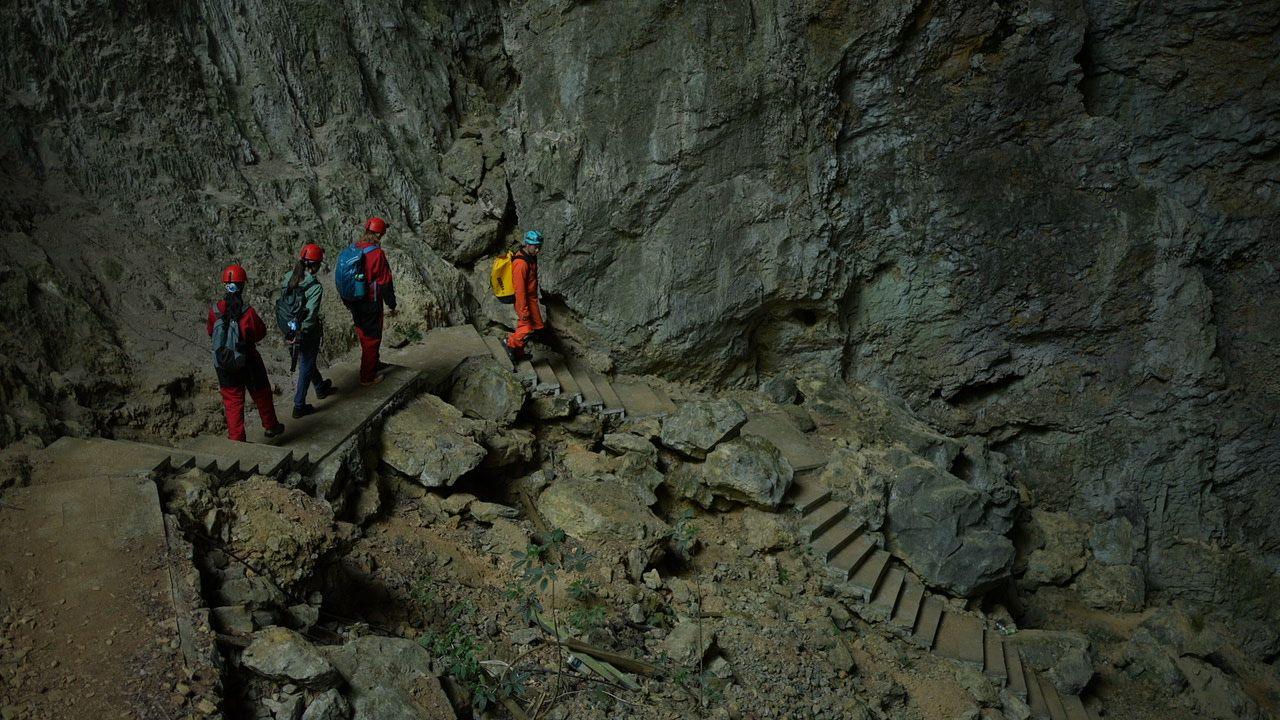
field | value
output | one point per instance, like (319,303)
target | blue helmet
(533,237)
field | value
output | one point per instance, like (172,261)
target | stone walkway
(87,564)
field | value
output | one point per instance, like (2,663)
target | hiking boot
(304,409)
(512,355)
(324,389)
(274,431)
(376,379)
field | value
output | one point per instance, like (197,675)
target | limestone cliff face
(1046,224)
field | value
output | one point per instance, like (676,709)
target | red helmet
(234,274)
(375,225)
(312,253)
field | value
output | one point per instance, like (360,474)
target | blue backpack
(348,275)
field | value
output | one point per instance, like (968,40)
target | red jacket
(252,329)
(524,275)
(377,273)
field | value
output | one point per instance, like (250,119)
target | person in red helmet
(307,328)
(236,329)
(524,278)
(380,291)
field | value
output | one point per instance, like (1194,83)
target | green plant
(459,653)
(587,618)
(684,535)
(423,593)
(583,589)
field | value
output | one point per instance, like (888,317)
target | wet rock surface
(936,522)
(697,427)
(284,655)
(484,391)
(430,441)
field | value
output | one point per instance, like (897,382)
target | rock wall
(1042,224)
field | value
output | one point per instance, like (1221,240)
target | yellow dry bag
(504,287)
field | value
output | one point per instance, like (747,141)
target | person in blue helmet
(524,275)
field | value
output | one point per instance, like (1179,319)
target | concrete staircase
(549,374)
(892,594)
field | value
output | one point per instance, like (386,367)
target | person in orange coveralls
(524,276)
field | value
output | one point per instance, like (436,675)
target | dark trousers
(308,368)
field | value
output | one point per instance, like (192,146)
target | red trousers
(369,348)
(233,406)
(524,328)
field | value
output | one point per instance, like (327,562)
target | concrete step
(993,656)
(1035,695)
(69,457)
(499,355)
(960,637)
(807,493)
(1017,674)
(778,429)
(866,578)
(848,560)
(823,517)
(885,599)
(908,609)
(568,386)
(612,403)
(1052,700)
(248,457)
(547,384)
(664,401)
(591,397)
(836,538)
(1075,708)
(640,400)
(926,630)
(523,369)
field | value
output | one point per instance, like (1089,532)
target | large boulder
(429,440)
(285,656)
(281,531)
(602,513)
(390,679)
(635,471)
(747,469)
(697,426)
(935,522)
(1063,656)
(484,391)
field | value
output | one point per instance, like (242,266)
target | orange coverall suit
(524,275)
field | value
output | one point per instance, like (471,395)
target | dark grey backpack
(228,346)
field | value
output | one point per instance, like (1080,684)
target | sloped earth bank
(398,606)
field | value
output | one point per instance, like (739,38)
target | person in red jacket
(366,314)
(524,276)
(251,373)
